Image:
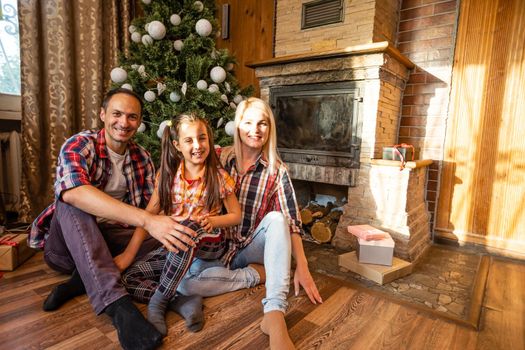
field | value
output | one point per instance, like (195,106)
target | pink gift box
(367,232)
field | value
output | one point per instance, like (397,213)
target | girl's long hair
(270,147)
(170,160)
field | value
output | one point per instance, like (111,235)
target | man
(103,180)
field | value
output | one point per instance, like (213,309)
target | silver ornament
(146,2)
(161,88)
(147,40)
(224,98)
(237,99)
(136,37)
(202,85)
(178,45)
(203,27)
(142,127)
(132,29)
(175,19)
(118,75)
(199,6)
(175,97)
(219,123)
(157,30)
(228,87)
(127,86)
(230,128)
(213,88)
(184,88)
(162,126)
(149,96)
(233,106)
(218,74)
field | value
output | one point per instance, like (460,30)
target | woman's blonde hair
(270,147)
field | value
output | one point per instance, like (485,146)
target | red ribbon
(7,240)
(403,161)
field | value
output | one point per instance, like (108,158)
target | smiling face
(121,120)
(193,143)
(254,129)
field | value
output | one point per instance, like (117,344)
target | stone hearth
(378,194)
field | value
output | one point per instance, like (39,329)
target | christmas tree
(173,63)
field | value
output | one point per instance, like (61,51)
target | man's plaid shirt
(259,193)
(84,160)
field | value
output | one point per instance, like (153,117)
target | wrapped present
(367,232)
(13,251)
(379,252)
(378,273)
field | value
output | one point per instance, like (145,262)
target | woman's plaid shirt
(84,160)
(259,193)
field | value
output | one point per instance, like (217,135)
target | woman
(270,229)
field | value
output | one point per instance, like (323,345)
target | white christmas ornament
(134,66)
(202,85)
(175,19)
(149,96)
(178,44)
(161,88)
(237,99)
(199,6)
(118,75)
(228,88)
(213,88)
(132,29)
(184,88)
(224,98)
(136,37)
(142,70)
(146,26)
(233,106)
(127,86)
(218,74)
(147,40)
(175,97)
(147,2)
(219,123)
(142,127)
(203,27)
(230,128)
(157,30)
(162,126)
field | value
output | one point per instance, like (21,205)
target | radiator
(10,171)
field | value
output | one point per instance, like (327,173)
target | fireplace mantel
(379,47)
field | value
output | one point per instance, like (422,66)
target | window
(9,48)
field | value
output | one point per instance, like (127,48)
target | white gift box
(379,252)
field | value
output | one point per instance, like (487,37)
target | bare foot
(274,325)
(260,270)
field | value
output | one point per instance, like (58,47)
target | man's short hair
(113,92)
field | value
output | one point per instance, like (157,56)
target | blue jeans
(270,246)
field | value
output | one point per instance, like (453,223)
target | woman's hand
(302,277)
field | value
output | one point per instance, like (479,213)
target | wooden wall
(251,35)
(482,185)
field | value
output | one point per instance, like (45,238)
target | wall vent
(321,12)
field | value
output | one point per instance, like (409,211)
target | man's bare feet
(260,270)
(274,325)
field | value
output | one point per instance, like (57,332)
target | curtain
(68,48)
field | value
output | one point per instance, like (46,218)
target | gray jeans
(75,240)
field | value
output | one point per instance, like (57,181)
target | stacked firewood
(320,221)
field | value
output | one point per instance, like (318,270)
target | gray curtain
(68,48)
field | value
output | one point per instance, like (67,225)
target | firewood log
(306,216)
(321,232)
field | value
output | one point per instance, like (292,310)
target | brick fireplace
(379,193)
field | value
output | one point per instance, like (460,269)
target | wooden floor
(350,318)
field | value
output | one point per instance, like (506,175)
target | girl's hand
(206,224)
(123,260)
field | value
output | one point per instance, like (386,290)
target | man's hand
(170,233)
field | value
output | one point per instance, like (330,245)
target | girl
(270,229)
(192,187)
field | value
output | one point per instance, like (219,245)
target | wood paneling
(482,186)
(251,35)
(350,318)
